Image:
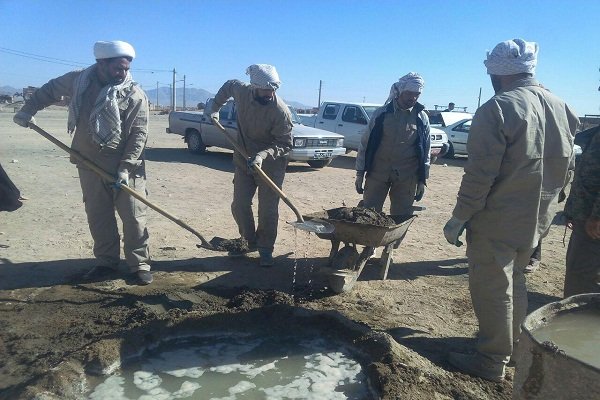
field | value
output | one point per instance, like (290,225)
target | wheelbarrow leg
(386,260)
(344,280)
(335,245)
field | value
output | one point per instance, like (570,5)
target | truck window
(354,114)
(331,111)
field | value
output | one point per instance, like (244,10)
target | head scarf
(263,76)
(512,57)
(412,82)
(113,49)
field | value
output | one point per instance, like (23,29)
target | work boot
(266,258)
(533,265)
(99,272)
(142,278)
(477,365)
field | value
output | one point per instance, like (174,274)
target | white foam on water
(111,389)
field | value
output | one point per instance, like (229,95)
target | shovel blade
(314,225)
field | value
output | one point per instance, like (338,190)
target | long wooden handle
(260,172)
(107,177)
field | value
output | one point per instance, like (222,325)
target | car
(456,125)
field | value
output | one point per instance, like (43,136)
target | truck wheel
(450,153)
(195,143)
(319,163)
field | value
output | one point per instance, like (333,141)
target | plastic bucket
(566,366)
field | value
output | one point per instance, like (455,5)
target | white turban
(263,76)
(512,57)
(113,49)
(412,82)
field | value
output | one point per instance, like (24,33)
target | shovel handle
(107,177)
(259,171)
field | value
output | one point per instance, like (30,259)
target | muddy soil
(52,321)
(360,215)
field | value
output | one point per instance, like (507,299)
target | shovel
(314,225)
(107,177)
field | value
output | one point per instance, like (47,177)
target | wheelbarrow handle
(259,171)
(107,177)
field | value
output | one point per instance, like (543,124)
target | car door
(328,118)
(352,125)
(459,136)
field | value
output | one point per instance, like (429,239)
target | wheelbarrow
(347,263)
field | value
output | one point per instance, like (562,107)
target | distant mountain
(9,90)
(193,96)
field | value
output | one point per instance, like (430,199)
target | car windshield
(370,110)
(295,118)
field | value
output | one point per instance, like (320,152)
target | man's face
(407,99)
(264,96)
(114,70)
(496,83)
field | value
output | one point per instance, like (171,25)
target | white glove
(358,183)
(122,178)
(23,119)
(255,162)
(453,229)
(214,116)
(420,191)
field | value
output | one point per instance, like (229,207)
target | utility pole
(320,85)
(479,99)
(184,92)
(156,106)
(173,98)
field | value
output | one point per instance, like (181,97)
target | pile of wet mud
(239,245)
(361,215)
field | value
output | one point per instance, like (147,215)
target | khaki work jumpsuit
(99,197)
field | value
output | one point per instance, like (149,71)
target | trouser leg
(376,191)
(99,208)
(268,212)
(537,252)
(135,233)
(498,293)
(244,188)
(402,195)
(583,263)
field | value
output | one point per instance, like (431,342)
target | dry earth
(49,315)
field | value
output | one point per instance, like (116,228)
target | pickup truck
(351,119)
(316,147)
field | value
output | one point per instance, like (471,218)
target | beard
(264,100)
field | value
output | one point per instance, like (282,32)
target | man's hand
(214,116)
(255,162)
(420,191)
(23,119)
(453,229)
(122,178)
(358,183)
(592,227)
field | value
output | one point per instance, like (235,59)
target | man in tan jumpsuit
(520,157)
(265,133)
(108,114)
(394,151)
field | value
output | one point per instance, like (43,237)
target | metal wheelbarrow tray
(347,263)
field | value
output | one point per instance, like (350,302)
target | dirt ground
(49,314)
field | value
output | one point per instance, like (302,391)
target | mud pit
(53,323)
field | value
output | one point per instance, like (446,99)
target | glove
(255,162)
(420,191)
(358,183)
(23,119)
(122,178)
(214,116)
(453,229)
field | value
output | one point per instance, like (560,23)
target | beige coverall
(265,130)
(520,157)
(100,198)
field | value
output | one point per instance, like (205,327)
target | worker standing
(394,152)
(520,158)
(265,133)
(108,114)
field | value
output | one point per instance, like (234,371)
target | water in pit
(238,367)
(576,333)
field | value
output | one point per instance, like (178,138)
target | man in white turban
(108,115)
(265,133)
(394,152)
(520,157)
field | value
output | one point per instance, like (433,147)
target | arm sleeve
(427,148)
(137,135)
(231,88)
(282,137)
(364,140)
(50,93)
(486,147)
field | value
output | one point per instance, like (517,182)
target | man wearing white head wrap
(265,132)
(394,152)
(108,114)
(520,158)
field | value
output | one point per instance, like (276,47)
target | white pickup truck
(351,119)
(316,147)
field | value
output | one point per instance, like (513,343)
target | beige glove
(122,178)
(23,119)
(255,162)
(214,116)
(358,183)
(453,229)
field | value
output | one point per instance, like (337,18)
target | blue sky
(357,48)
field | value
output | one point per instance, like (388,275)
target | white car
(456,125)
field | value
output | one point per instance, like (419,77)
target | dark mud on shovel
(233,245)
